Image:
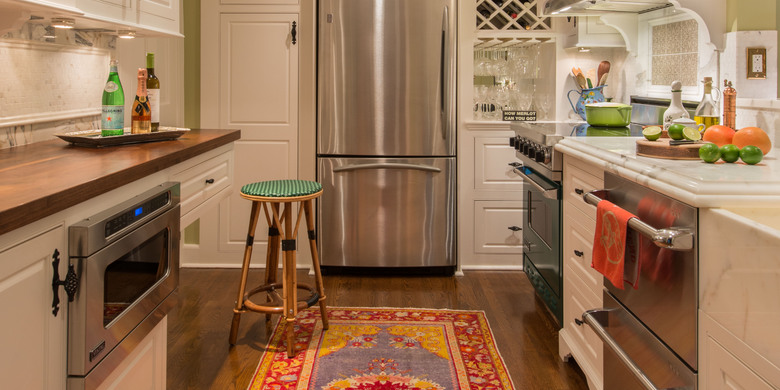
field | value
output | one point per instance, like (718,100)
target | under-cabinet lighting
(63,22)
(50,34)
(126,34)
(584,50)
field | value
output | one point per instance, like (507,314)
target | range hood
(600,7)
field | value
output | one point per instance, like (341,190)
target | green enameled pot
(608,114)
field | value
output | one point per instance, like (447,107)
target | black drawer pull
(515,228)
(579,191)
(578,253)
(209,181)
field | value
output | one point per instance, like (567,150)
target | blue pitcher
(587,96)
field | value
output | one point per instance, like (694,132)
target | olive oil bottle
(707,112)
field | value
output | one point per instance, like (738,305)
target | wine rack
(510,15)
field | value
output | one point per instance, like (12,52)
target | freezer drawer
(387,212)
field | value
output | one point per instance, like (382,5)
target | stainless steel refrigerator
(386,133)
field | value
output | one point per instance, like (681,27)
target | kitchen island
(738,241)
(51,185)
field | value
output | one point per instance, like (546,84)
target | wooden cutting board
(661,149)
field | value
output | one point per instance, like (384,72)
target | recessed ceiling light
(126,34)
(63,22)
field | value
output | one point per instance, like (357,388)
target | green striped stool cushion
(281,188)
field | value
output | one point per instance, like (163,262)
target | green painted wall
(191,9)
(751,15)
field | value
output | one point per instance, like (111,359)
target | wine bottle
(153,91)
(112,116)
(707,111)
(141,115)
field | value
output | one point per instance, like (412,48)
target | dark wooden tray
(93,139)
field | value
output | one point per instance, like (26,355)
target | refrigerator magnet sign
(519,116)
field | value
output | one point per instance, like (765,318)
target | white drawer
(588,350)
(580,177)
(494,221)
(578,247)
(203,181)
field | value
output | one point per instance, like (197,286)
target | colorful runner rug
(385,348)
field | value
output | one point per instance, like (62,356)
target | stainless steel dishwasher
(650,333)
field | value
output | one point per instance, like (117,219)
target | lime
(729,153)
(652,133)
(676,131)
(751,154)
(691,133)
(709,152)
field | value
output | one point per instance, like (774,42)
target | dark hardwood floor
(199,356)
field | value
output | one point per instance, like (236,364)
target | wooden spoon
(603,69)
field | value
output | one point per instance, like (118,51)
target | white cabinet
(251,51)
(33,338)
(739,283)
(490,207)
(590,31)
(582,285)
(152,15)
(144,368)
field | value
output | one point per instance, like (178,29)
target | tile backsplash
(50,85)
(675,53)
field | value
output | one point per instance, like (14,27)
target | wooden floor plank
(199,356)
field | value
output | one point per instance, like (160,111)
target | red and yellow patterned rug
(385,348)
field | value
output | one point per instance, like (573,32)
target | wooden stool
(270,195)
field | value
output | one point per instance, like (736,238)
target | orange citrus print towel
(609,243)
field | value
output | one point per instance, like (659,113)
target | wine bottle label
(112,117)
(111,87)
(154,104)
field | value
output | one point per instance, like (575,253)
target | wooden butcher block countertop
(43,178)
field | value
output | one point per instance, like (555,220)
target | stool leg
(290,289)
(272,255)
(250,237)
(307,208)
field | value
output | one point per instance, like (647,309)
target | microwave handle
(589,318)
(547,193)
(678,239)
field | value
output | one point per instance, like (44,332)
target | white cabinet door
(109,10)
(33,339)
(250,82)
(162,14)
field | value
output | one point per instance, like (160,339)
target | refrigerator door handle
(447,75)
(355,167)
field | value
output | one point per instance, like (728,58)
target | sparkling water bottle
(112,117)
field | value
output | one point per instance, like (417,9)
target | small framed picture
(756,63)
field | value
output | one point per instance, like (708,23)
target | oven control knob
(540,154)
(513,141)
(547,155)
(531,152)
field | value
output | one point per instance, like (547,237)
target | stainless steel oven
(542,237)
(126,259)
(650,332)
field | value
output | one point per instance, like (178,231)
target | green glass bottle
(153,91)
(112,118)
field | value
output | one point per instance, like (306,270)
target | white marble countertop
(692,181)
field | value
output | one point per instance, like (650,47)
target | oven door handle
(547,193)
(590,318)
(678,239)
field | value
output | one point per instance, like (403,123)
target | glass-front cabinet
(511,43)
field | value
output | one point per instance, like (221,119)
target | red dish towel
(609,245)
